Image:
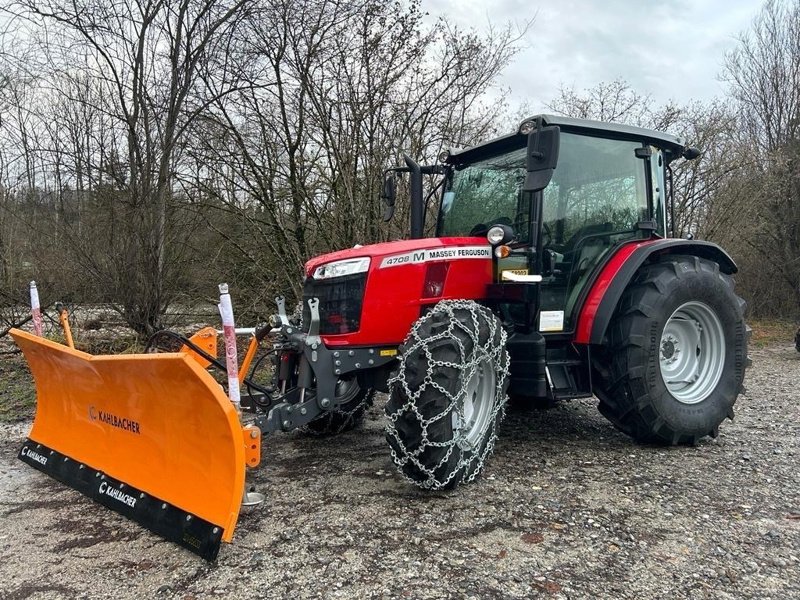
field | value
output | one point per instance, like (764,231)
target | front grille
(340,301)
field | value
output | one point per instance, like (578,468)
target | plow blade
(151,436)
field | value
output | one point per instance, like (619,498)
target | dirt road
(567,508)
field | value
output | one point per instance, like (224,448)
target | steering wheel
(483,228)
(479,229)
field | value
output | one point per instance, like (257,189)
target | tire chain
(348,415)
(497,354)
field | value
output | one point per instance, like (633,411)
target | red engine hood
(389,248)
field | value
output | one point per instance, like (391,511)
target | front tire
(448,397)
(676,352)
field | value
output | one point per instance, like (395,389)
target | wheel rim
(346,390)
(478,402)
(692,352)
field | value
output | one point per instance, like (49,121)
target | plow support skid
(151,436)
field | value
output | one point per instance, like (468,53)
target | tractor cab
(608,187)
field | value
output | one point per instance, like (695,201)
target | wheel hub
(477,407)
(669,349)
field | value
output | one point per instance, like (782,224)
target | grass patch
(768,332)
(17,394)
(17,391)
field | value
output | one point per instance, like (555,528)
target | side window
(599,185)
(596,199)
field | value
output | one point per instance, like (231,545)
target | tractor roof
(672,145)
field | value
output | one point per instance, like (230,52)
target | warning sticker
(551,320)
(422,256)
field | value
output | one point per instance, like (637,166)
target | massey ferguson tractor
(551,276)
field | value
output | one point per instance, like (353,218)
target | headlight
(500,234)
(340,268)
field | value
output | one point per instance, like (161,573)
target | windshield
(485,193)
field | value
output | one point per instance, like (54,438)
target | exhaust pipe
(417,208)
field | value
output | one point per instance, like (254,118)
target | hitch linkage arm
(315,392)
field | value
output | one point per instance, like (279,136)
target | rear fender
(617,273)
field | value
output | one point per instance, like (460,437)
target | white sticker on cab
(551,320)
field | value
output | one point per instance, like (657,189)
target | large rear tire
(448,397)
(676,352)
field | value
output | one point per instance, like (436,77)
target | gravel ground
(567,508)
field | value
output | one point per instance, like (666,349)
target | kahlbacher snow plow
(552,276)
(151,436)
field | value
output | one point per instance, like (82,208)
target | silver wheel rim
(692,352)
(478,403)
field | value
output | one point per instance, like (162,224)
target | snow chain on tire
(446,352)
(347,416)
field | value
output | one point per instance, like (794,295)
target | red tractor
(551,277)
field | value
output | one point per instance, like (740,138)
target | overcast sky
(671,49)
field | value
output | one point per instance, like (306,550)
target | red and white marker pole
(231,356)
(36,312)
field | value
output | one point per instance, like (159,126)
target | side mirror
(691,153)
(388,196)
(543,145)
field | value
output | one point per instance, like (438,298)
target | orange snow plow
(151,436)
(157,438)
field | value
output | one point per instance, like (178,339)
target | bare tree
(143,57)
(763,74)
(760,211)
(330,94)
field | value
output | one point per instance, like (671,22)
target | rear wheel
(676,351)
(448,397)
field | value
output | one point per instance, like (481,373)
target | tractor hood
(376,304)
(389,249)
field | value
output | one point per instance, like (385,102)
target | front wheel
(447,400)
(676,351)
